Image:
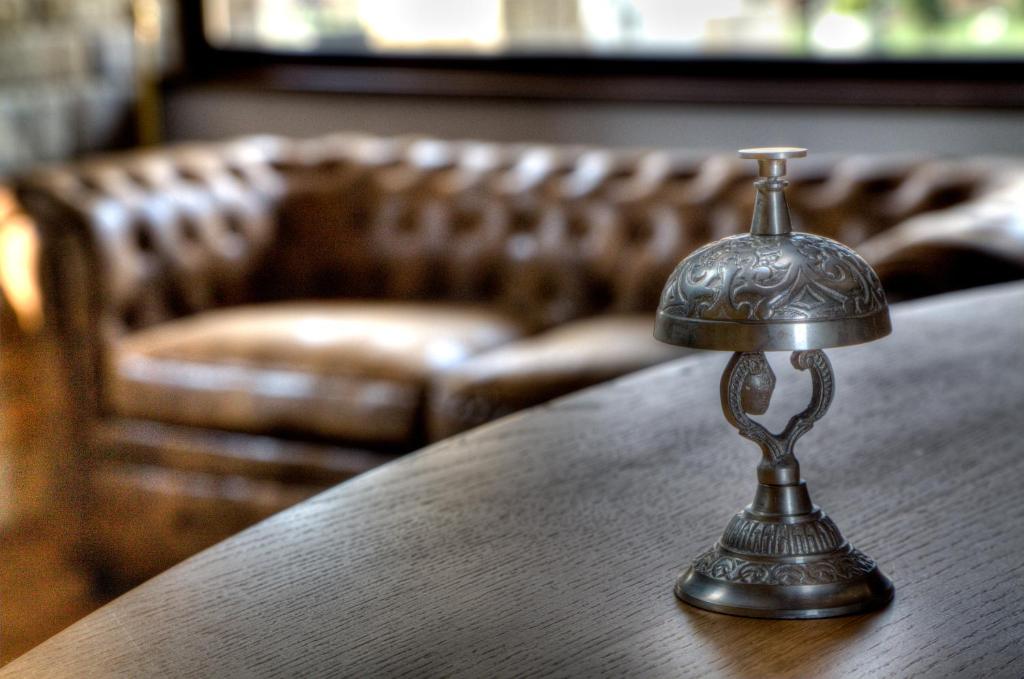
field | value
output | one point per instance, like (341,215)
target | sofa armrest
(528,372)
(132,239)
(980,242)
(163,232)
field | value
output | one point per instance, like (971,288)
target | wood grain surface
(548,543)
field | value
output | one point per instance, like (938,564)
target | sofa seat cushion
(341,370)
(536,369)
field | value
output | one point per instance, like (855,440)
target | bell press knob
(771,214)
(771,160)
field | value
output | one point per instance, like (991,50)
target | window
(802,29)
(960,53)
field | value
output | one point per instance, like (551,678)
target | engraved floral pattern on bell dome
(792,277)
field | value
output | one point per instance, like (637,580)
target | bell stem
(782,473)
(771,212)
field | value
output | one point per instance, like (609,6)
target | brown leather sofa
(247,322)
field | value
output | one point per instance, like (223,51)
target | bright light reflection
(989,26)
(835,32)
(19,252)
(447,23)
(800,335)
(441,353)
(328,331)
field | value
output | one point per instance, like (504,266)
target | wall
(66,78)
(70,72)
(210,112)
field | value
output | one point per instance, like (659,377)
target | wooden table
(547,543)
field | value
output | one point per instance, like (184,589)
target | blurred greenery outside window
(811,29)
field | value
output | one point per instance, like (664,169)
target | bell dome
(757,293)
(772,289)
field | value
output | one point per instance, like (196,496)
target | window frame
(959,83)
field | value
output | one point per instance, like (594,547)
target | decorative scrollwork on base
(841,567)
(820,536)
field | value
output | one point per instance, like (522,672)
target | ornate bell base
(866,592)
(782,557)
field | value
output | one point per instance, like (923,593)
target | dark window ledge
(776,82)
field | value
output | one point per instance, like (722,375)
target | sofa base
(161,493)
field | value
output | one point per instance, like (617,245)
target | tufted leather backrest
(551,232)
(166,232)
(557,232)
